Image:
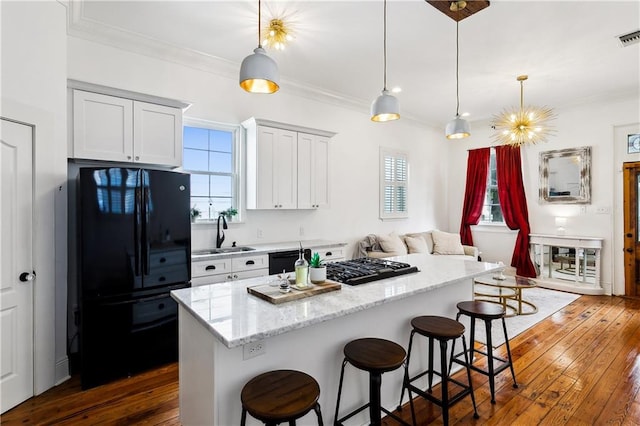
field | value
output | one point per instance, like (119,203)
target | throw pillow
(416,244)
(446,243)
(392,244)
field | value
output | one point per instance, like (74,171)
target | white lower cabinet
(214,271)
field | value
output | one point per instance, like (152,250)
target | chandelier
(277,34)
(528,125)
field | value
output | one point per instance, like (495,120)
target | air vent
(629,39)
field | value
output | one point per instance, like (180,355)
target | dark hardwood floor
(581,366)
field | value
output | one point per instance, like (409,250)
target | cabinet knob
(128,157)
(629,250)
(276,206)
(137,157)
(210,267)
(250,262)
(229,277)
(328,253)
(235,276)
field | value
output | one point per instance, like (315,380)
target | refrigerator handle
(136,230)
(145,229)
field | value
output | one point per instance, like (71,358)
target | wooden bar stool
(441,329)
(376,356)
(487,312)
(280,396)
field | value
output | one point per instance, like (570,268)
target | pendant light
(259,72)
(386,106)
(457,128)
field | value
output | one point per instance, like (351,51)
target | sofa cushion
(392,244)
(446,243)
(416,244)
(425,236)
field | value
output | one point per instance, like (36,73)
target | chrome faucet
(220,235)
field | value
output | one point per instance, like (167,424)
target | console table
(576,281)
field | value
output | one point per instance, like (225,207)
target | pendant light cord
(457,73)
(385,45)
(521,95)
(259,21)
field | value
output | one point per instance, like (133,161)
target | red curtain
(477,169)
(514,206)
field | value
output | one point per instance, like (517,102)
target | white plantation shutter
(394,179)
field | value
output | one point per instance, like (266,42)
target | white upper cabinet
(117,128)
(157,134)
(313,171)
(287,166)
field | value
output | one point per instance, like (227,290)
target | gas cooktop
(366,269)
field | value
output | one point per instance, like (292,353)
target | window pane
(222,186)
(401,197)
(219,204)
(194,137)
(193,159)
(202,204)
(491,211)
(199,185)
(220,162)
(221,141)
(401,170)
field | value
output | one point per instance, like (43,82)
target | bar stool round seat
(443,330)
(376,356)
(280,396)
(487,312)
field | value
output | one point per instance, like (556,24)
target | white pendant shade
(457,128)
(259,73)
(385,108)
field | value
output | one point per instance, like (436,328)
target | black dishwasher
(284,260)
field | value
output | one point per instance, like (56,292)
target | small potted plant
(195,213)
(317,269)
(229,213)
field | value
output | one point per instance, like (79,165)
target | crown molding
(89,29)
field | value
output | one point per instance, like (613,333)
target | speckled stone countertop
(235,317)
(268,248)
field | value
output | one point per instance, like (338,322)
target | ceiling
(569,49)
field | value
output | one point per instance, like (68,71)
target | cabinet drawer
(210,267)
(250,274)
(248,263)
(330,254)
(209,279)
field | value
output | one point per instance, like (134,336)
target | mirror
(565,176)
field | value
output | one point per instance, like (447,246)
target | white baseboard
(62,371)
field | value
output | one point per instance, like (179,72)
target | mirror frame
(584,197)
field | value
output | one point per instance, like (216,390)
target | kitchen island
(227,336)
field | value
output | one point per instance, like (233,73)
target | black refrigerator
(134,248)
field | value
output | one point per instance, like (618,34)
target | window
(491,211)
(211,157)
(394,179)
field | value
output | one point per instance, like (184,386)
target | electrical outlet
(603,210)
(253,349)
(259,233)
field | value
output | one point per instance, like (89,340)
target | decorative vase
(318,275)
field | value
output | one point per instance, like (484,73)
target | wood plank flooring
(581,366)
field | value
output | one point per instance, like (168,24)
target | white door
(16,266)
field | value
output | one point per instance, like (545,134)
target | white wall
(353,151)
(34,91)
(584,125)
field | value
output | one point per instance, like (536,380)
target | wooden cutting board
(274,295)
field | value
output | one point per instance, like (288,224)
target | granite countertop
(236,318)
(267,248)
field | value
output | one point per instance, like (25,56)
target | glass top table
(506,292)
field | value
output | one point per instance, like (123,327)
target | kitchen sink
(221,250)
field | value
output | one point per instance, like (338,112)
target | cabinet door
(276,169)
(313,172)
(157,132)
(102,127)
(247,263)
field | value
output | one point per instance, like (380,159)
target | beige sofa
(432,242)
